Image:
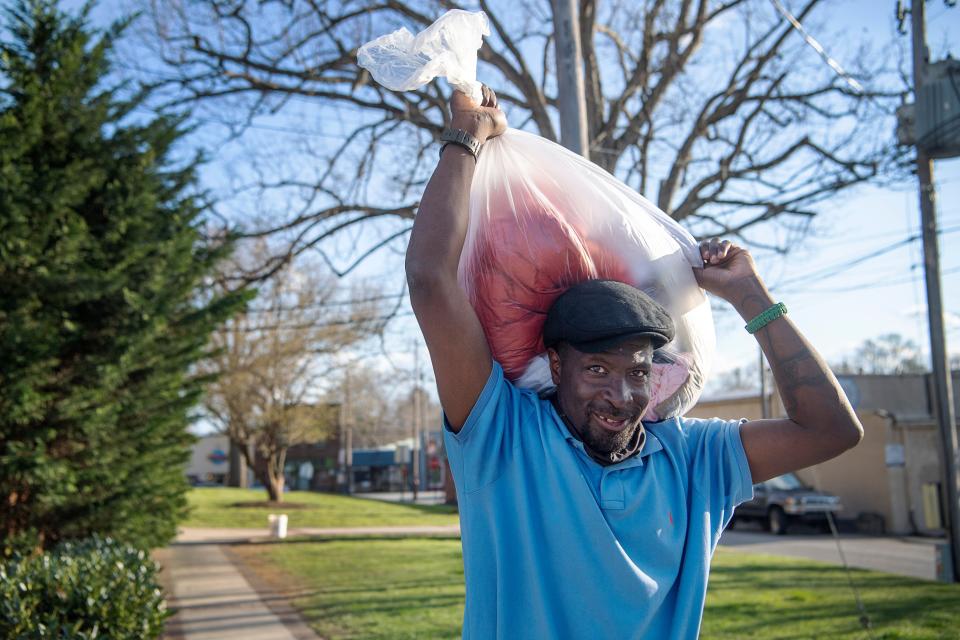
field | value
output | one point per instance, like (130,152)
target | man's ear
(554,356)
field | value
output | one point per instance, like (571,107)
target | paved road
(913,557)
(423,497)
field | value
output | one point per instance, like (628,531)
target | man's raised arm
(821,423)
(458,348)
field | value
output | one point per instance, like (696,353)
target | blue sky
(837,295)
(879,295)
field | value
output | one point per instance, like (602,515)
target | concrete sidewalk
(209,535)
(214,596)
(212,599)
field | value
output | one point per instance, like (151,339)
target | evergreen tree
(102,305)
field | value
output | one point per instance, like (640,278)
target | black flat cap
(597,315)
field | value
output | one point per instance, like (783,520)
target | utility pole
(348,410)
(571,93)
(342,442)
(415,450)
(931,264)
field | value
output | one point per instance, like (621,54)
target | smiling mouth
(610,423)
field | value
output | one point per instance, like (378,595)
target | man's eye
(640,373)
(596,369)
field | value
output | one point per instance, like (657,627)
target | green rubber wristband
(766,317)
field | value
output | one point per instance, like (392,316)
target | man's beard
(603,441)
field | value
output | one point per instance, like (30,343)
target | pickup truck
(784,500)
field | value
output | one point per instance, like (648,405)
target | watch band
(461,138)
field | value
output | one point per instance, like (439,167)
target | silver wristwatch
(461,138)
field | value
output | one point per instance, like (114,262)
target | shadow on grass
(436,509)
(266,504)
(363,588)
(389,588)
(777,575)
(791,601)
(829,620)
(380,617)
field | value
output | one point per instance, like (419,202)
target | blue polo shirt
(556,546)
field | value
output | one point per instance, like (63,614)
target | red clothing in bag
(520,269)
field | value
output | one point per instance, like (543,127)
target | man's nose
(619,393)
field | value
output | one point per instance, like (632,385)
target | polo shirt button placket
(611,490)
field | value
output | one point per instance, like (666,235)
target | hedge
(93,589)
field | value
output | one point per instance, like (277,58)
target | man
(578,520)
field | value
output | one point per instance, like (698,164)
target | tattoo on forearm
(799,373)
(753,300)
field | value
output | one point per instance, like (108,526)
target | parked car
(784,500)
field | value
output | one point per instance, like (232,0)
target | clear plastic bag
(448,48)
(543,219)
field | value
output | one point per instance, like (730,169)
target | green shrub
(97,588)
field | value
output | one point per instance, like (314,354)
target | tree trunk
(275,486)
(239,461)
(275,479)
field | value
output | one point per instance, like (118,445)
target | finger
(459,100)
(494,102)
(484,95)
(723,248)
(714,250)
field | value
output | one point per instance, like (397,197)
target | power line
(836,269)
(876,236)
(874,284)
(816,46)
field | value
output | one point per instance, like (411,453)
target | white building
(209,460)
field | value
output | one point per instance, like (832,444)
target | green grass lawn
(413,588)
(757,596)
(214,507)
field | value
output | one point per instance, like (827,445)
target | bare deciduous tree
(742,378)
(273,360)
(716,110)
(890,353)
